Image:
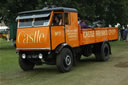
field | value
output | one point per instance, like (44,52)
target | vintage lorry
(40,40)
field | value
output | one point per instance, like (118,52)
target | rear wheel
(103,52)
(25,64)
(64,60)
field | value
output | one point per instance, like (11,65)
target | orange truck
(53,36)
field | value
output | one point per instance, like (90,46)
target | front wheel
(25,64)
(64,60)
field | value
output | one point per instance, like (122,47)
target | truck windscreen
(41,21)
(25,23)
(34,20)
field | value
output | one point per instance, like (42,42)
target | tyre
(103,52)
(64,60)
(25,64)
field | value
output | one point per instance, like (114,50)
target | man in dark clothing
(126,31)
(56,21)
(83,24)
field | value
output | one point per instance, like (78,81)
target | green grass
(87,72)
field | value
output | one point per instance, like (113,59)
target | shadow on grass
(52,69)
(88,61)
(48,69)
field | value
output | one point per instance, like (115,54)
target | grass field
(87,72)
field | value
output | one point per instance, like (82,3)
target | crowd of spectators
(123,32)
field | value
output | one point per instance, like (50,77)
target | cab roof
(46,9)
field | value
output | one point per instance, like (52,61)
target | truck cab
(39,30)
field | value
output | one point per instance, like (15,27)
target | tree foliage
(111,11)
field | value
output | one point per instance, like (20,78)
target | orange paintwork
(50,22)
(51,36)
(72,35)
(112,33)
(33,38)
(87,36)
(57,36)
(57,33)
(95,35)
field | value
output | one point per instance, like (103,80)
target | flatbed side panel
(95,35)
(112,33)
(87,36)
(101,34)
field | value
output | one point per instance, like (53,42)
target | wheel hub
(68,60)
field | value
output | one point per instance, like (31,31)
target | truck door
(57,30)
(71,29)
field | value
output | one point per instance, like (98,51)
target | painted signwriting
(88,34)
(26,38)
(72,35)
(112,31)
(101,32)
(58,33)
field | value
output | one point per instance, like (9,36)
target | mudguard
(61,46)
(65,45)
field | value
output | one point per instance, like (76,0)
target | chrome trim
(32,48)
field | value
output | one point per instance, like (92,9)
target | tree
(112,11)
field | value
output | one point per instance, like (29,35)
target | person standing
(119,30)
(126,31)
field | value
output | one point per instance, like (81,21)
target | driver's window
(57,19)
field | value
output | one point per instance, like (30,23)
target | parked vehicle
(53,36)
(4,30)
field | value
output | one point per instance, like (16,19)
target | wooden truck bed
(95,35)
